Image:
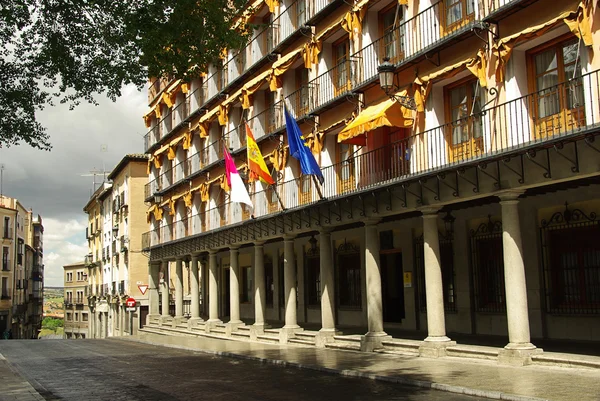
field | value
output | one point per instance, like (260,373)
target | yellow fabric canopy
(478,66)
(278,158)
(223,114)
(314,141)
(352,21)
(281,66)
(156,211)
(251,87)
(272,4)
(578,21)
(387,113)
(403,2)
(310,52)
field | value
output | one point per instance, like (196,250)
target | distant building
(115,232)
(77,314)
(22,274)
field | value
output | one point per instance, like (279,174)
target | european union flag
(300,150)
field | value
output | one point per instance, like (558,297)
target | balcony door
(456,14)
(341,71)
(464,133)
(345,167)
(558,101)
(391,45)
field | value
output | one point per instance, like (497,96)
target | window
(69,316)
(464,133)
(341,71)
(5,289)
(7,227)
(488,267)
(76,316)
(447,266)
(269,281)
(5,261)
(345,167)
(349,284)
(558,98)
(69,277)
(84,317)
(457,14)
(222,207)
(391,43)
(271,113)
(247,285)
(573,269)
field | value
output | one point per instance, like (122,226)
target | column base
(517,354)
(325,336)
(232,326)
(194,322)
(178,320)
(435,347)
(154,318)
(373,341)
(166,320)
(256,329)
(287,332)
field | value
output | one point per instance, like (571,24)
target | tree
(72,50)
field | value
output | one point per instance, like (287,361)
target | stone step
(473,351)
(268,338)
(301,341)
(308,335)
(566,360)
(241,334)
(399,346)
(218,330)
(344,346)
(272,331)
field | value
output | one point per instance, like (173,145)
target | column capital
(234,248)
(212,251)
(509,196)
(288,237)
(325,230)
(259,243)
(371,221)
(430,211)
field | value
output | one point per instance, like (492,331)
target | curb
(496,395)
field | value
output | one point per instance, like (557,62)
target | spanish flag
(256,163)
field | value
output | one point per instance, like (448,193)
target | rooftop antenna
(93,173)
(104,149)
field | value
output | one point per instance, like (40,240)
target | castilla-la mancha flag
(256,163)
(237,189)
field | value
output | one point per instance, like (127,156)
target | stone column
(327,289)
(374,337)
(519,348)
(436,342)
(165,290)
(195,292)
(260,296)
(213,291)
(179,289)
(289,277)
(234,286)
(153,272)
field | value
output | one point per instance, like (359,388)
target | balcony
(268,121)
(530,124)
(495,10)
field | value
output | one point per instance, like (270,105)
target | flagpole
(274,187)
(317,187)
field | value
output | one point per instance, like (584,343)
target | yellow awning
(352,21)
(281,66)
(387,113)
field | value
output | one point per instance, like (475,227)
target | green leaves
(73,50)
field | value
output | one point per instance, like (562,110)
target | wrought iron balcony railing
(537,120)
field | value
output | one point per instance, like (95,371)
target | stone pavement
(458,375)
(13,387)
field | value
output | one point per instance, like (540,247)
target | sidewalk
(457,375)
(14,386)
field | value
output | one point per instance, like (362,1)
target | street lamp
(449,223)
(158,198)
(386,72)
(313,243)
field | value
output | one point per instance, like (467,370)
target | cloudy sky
(52,183)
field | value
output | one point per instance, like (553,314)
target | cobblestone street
(124,370)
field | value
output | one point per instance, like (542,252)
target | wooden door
(464,133)
(558,100)
(345,168)
(341,71)
(455,14)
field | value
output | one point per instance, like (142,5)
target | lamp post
(449,224)
(386,71)
(158,198)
